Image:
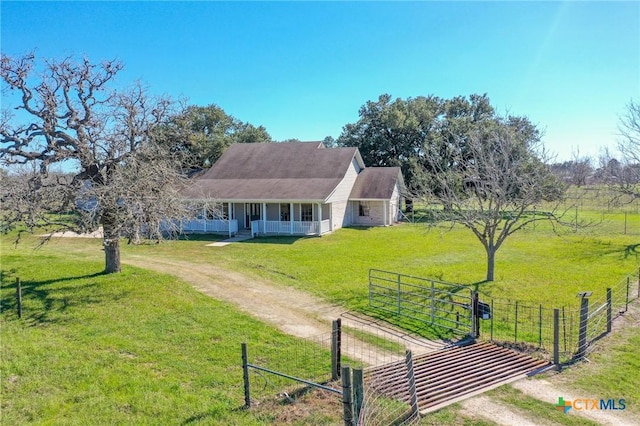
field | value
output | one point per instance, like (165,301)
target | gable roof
(376,183)
(275,171)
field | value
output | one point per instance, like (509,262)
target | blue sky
(303,69)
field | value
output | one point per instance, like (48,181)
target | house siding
(394,205)
(343,190)
(376,214)
(339,216)
(340,197)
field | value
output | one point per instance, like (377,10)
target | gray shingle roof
(274,171)
(376,183)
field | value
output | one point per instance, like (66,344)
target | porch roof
(262,189)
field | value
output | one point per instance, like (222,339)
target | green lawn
(534,266)
(133,348)
(145,348)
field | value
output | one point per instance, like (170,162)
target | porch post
(384,212)
(264,217)
(291,218)
(319,219)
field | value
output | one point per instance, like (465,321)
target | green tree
(485,171)
(204,133)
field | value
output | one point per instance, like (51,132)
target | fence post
(399,296)
(358,393)
(515,337)
(336,334)
(413,396)
(245,374)
(626,306)
(556,338)
(564,328)
(540,324)
(19,297)
(582,336)
(608,310)
(433,306)
(493,313)
(475,319)
(347,396)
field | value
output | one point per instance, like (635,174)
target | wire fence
(527,327)
(534,328)
(387,393)
(595,208)
(390,395)
(269,371)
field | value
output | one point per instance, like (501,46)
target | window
(306,212)
(285,214)
(364,208)
(216,211)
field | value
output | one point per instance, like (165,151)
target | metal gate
(435,303)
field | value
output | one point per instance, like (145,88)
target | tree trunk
(491,263)
(111,244)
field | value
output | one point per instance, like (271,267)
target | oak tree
(87,151)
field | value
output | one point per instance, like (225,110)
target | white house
(298,188)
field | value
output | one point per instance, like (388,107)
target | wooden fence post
(413,396)
(19,297)
(245,374)
(336,334)
(582,336)
(608,310)
(556,338)
(358,393)
(347,396)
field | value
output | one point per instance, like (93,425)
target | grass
(145,348)
(132,348)
(543,412)
(534,266)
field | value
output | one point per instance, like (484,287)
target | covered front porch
(262,218)
(286,218)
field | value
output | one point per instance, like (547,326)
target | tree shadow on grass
(43,301)
(632,250)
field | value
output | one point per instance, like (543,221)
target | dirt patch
(302,406)
(292,311)
(70,234)
(486,408)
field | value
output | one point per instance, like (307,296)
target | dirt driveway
(302,315)
(292,311)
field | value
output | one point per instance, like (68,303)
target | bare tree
(69,119)
(493,180)
(628,175)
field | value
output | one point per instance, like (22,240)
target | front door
(252,212)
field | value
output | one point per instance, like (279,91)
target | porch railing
(276,227)
(216,225)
